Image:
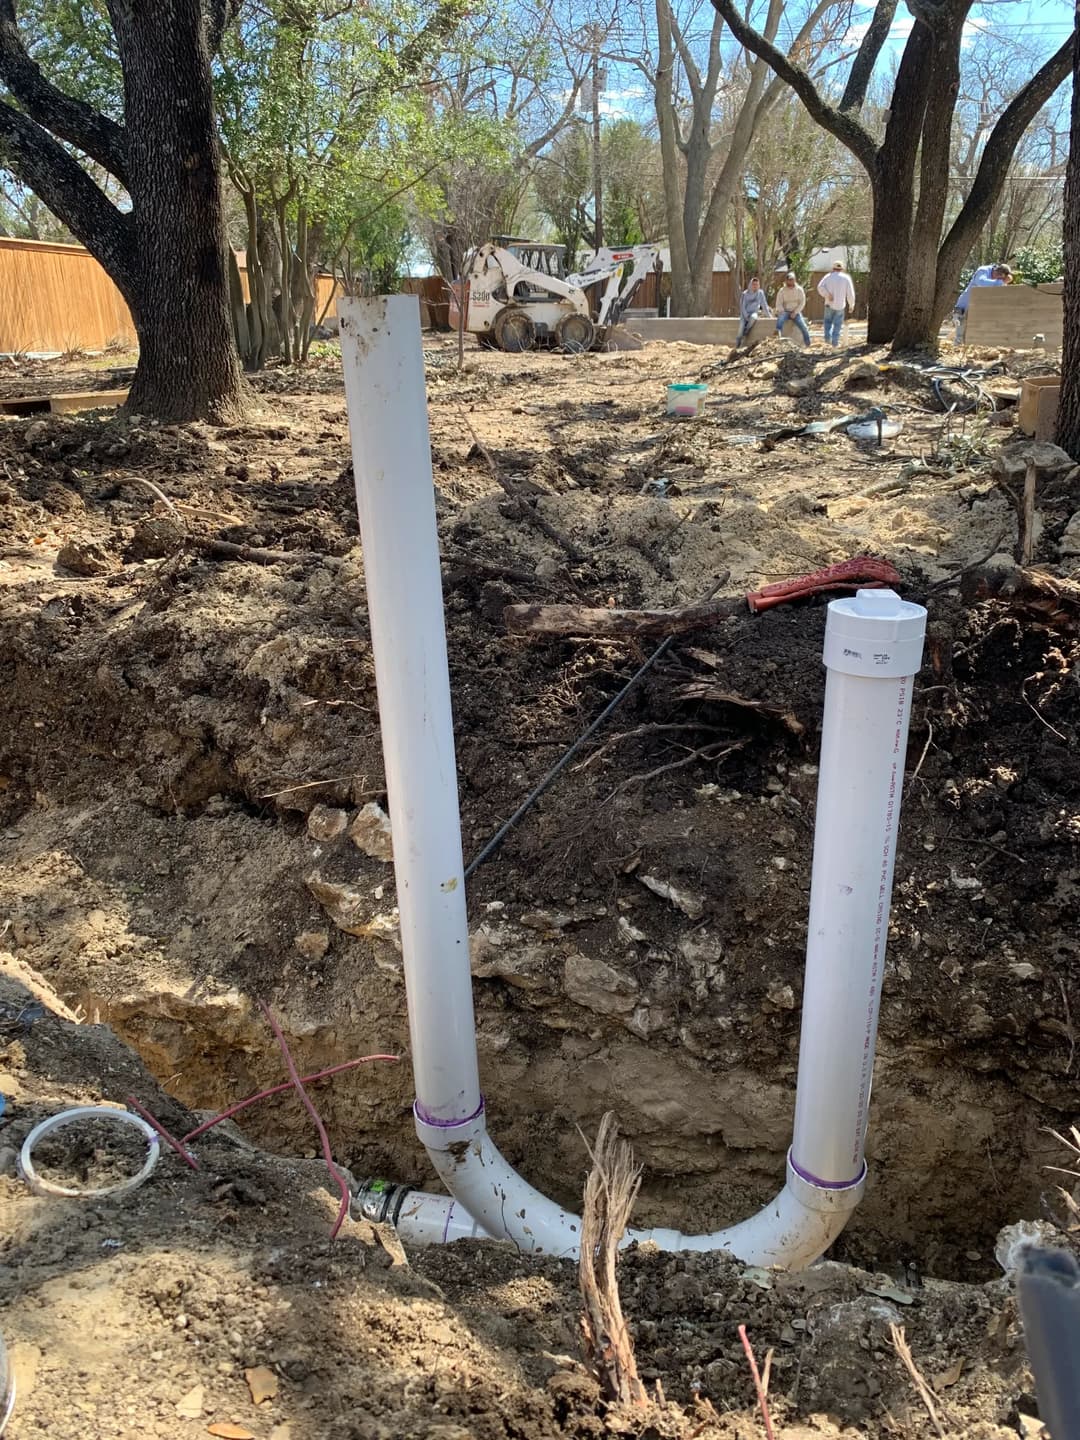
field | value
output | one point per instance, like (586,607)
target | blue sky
(1041,26)
(1046,23)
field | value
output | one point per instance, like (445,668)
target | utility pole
(598,192)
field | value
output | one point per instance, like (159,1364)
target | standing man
(752,303)
(984,276)
(790,303)
(838,292)
(658,271)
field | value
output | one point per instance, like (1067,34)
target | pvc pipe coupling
(875,634)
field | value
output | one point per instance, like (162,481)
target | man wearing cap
(790,303)
(838,292)
(985,275)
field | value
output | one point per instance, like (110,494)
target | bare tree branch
(541,141)
(44,166)
(847,129)
(712,74)
(994,166)
(862,67)
(776,85)
(693,74)
(67,118)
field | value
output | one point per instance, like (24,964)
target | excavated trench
(168,906)
(164,866)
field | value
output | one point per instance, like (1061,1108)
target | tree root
(610,1192)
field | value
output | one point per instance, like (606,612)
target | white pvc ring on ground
(72,1117)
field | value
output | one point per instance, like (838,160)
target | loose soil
(181,728)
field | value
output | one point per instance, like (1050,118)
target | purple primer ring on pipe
(422,1115)
(826,1184)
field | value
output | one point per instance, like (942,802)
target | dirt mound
(212,1298)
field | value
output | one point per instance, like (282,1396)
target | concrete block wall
(1012,315)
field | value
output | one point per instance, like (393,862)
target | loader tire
(575,334)
(514,330)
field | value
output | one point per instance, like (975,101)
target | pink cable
(187,1158)
(324,1139)
(278,1089)
(762,1400)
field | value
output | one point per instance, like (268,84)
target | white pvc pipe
(873,647)
(791,1232)
(387,402)
(436,1220)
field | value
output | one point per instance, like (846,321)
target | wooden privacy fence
(57,297)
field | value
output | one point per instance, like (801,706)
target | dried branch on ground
(598,621)
(610,1192)
(528,510)
(903,1349)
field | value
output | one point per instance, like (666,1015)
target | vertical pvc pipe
(873,648)
(395,495)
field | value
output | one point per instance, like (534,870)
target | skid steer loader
(514,306)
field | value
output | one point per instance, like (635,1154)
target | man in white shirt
(838,292)
(790,303)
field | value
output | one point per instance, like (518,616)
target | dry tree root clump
(610,1192)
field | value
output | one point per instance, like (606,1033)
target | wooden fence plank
(57,297)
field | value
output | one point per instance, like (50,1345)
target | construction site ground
(191,734)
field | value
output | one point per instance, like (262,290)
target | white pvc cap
(874,633)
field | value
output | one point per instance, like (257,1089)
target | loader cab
(545,259)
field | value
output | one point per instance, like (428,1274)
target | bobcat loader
(514,306)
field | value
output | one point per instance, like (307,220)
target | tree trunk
(889,236)
(188,367)
(682,293)
(1068,420)
(261,315)
(597,165)
(281,210)
(915,328)
(893,187)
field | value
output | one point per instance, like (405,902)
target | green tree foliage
(1039,264)
(324,126)
(630,174)
(504,91)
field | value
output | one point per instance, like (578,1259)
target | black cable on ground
(564,760)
